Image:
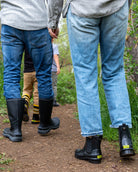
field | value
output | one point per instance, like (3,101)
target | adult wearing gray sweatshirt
(89,23)
(24,24)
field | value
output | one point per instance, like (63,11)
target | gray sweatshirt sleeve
(130,1)
(54,12)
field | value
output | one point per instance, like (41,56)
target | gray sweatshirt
(24,14)
(32,14)
(83,8)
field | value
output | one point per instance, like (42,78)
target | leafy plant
(66,87)
(4,160)
(131,53)
(110,133)
(6,120)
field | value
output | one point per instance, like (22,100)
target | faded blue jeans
(39,46)
(84,36)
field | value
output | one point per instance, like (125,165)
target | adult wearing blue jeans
(90,23)
(24,24)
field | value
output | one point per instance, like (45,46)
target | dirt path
(55,152)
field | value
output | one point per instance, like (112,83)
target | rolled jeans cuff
(117,126)
(92,134)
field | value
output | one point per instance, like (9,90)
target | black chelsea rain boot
(126,147)
(91,151)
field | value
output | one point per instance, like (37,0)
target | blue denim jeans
(84,36)
(39,46)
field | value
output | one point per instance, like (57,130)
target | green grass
(110,133)
(4,159)
(66,90)
(6,121)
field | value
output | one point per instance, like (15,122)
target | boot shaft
(35,109)
(15,109)
(93,143)
(125,137)
(126,147)
(46,122)
(45,110)
(91,151)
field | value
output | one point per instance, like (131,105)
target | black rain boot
(15,112)
(46,122)
(126,147)
(35,119)
(26,106)
(91,151)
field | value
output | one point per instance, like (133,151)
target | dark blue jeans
(39,45)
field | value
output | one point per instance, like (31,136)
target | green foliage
(131,64)
(134,111)
(110,133)
(134,22)
(6,121)
(63,45)
(66,87)
(4,160)
(3,111)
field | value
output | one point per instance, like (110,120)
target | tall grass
(66,90)
(110,133)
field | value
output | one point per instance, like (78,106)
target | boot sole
(13,139)
(127,153)
(91,160)
(44,132)
(35,122)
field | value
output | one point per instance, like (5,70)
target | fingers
(52,34)
(57,31)
(58,71)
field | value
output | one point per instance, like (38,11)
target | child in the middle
(30,84)
(30,89)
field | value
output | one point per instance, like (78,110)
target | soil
(55,152)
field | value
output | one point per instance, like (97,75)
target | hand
(54,32)
(58,71)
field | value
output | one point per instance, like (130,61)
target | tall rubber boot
(46,122)
(91,151)
(15,112)
(26,106)
(35,119)
(126,147)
